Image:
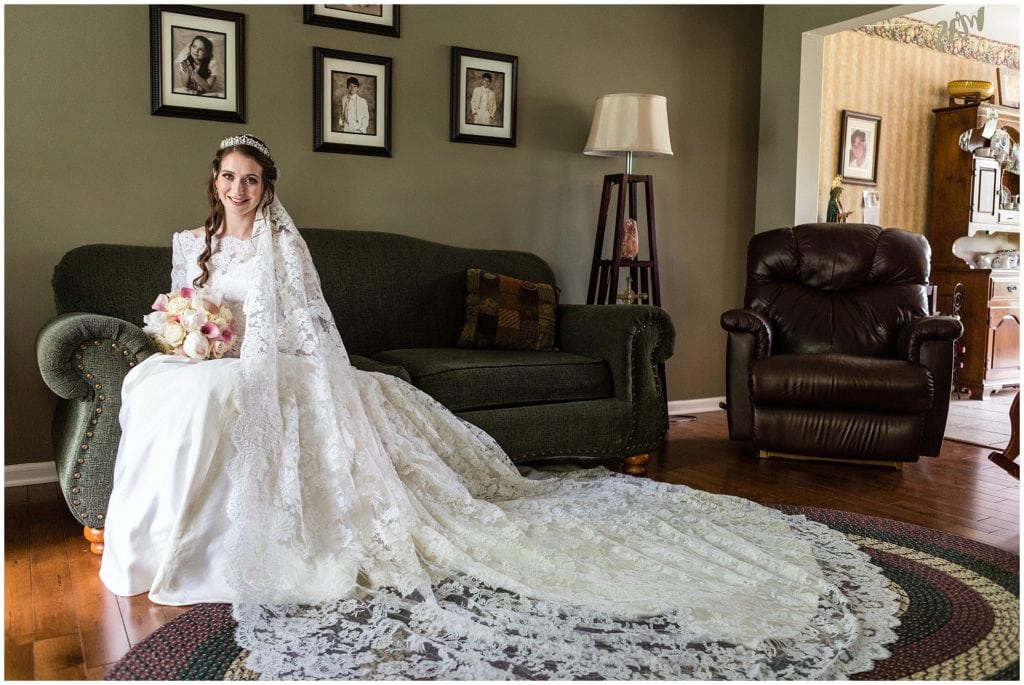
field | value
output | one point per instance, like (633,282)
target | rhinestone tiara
(245,139)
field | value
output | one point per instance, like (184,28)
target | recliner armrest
(929,328)
(630,338)
(749,321)
(750,339)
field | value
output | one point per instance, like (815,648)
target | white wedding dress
(361,530)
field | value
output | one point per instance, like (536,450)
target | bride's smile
(240,184)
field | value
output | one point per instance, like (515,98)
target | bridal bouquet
(191,322)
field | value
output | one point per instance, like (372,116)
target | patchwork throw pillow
(508,313)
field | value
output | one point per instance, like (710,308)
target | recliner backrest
(845,288)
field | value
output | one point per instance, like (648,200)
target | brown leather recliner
(834,354)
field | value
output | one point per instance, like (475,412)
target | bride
(361,530)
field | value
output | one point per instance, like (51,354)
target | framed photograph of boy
(197,62)
(483,97)
(351,103)
(380,19)
(858,148)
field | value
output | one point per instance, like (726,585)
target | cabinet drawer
(1004,290)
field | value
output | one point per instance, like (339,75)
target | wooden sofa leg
(636,464)
(95,536)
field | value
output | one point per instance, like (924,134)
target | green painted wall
(86,162)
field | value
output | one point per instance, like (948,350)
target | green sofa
(399,303)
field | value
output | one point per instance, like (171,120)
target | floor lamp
(627,125)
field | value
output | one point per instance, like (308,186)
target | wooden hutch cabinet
(967,219)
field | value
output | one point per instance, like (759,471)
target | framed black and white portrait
(351,103)
(483,97)
(380,19)
(858,148)
(197,62)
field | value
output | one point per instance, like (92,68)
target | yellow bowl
(985,89)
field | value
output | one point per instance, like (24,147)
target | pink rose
(227,334)
(160,304)
(187,293)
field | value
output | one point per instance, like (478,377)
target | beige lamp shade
(629,124)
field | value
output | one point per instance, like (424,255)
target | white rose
(219,320)
(177,305)
(174,333)
(196,346)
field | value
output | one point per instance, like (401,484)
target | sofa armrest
(632,339)
(915,334)
(72,346)
(750,339)
(84,359)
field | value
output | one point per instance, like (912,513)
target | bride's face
(239,184)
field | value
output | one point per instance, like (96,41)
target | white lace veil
(376,535)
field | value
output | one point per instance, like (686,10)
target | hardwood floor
(60,623)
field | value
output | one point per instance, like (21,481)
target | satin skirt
(166,520)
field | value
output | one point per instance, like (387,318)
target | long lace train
(466,630)
(375,535)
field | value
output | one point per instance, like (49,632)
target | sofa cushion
(508,313)
(464,380)
(372,366)
(841,381)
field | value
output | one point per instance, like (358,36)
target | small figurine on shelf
(835,214)
(630,239)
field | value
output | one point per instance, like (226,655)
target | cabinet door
(985,195)
(1003,343)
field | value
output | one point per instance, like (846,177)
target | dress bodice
(230,272)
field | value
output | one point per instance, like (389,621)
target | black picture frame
(858,147)
(479,116)
(384,23)
(210,87)
(361,126)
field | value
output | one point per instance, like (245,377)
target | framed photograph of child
(351,103)
(858,148)
(483,97)
(197,62)
(380,19)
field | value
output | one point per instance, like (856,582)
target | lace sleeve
(179,266)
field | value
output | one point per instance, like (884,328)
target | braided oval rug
(960,612)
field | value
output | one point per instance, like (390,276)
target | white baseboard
(30,474)
(697,406)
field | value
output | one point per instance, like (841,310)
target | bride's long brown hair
(215,221)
